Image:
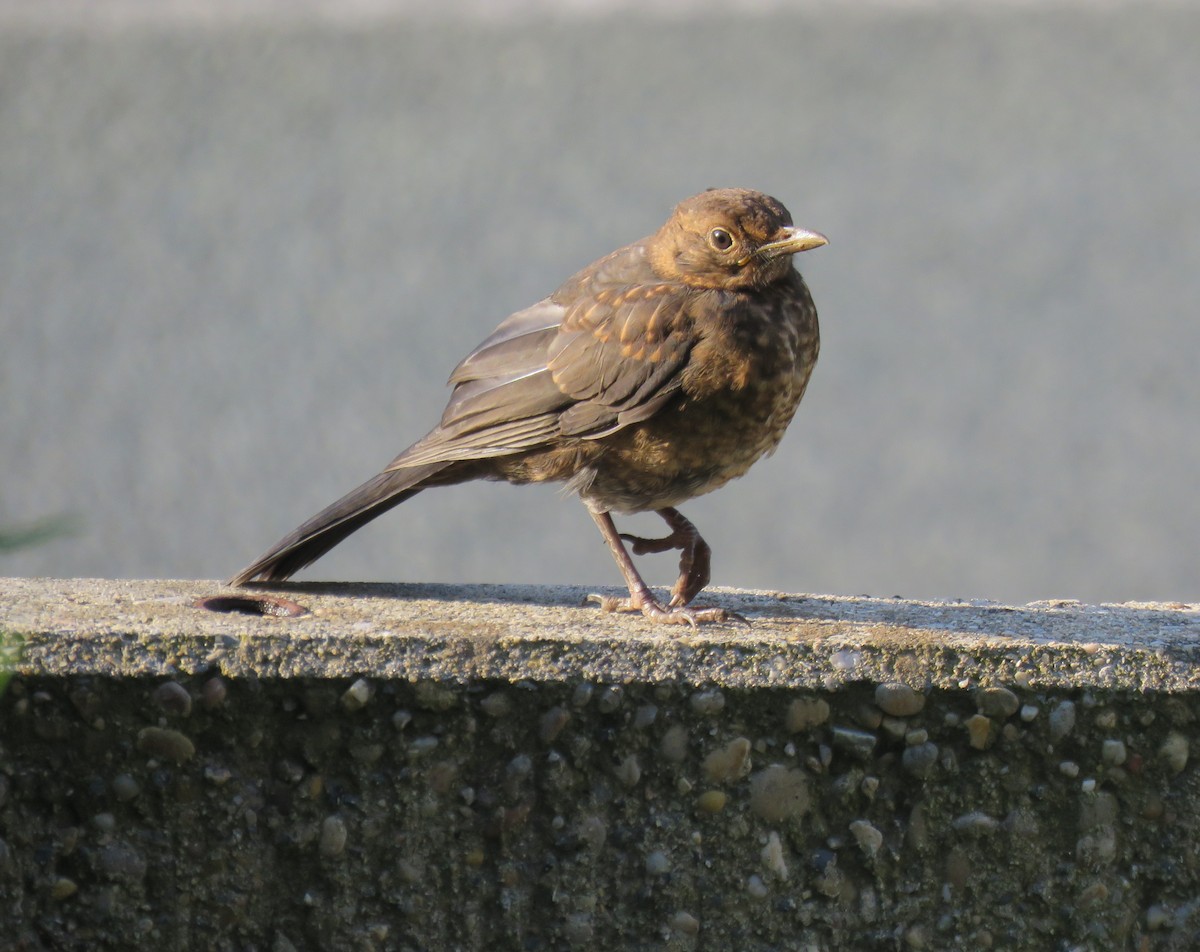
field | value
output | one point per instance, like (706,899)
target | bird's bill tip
(794,240)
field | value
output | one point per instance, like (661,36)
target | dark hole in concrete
(253,605)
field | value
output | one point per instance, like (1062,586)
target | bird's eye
(720,239)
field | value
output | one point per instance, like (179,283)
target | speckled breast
(733,410)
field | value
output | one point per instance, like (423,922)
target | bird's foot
(671,615)
(694,562)
(644,546)
(695,556)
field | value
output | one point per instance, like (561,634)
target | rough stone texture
(430,767)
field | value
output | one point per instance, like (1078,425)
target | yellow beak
(793,241)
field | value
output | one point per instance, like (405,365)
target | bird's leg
(695,559)
(640,597)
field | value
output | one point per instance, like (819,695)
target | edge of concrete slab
(459,633)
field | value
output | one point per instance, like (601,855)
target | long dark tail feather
(335,522)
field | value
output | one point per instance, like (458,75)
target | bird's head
(729,238)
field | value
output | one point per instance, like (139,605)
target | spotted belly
(690,449)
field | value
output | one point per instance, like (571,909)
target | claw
(611,603)
(672,615)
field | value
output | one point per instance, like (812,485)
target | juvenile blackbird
(655,374)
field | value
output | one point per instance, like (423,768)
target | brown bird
(655,374)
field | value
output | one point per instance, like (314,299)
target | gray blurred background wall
(239,254)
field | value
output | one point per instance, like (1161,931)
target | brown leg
(640,597)
(695,559)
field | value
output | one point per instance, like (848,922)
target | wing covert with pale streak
(598,355)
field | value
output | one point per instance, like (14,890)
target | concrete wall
(411,767)
(239,254)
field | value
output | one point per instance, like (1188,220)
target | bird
(656,374)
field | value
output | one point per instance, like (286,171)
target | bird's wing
(608,355)
(504,398)
(618,356)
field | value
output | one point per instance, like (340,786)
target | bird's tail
(335,522)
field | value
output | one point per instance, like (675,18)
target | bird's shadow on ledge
(1051,620)
(478,593)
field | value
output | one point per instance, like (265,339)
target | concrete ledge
(460,633)
(424,767)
